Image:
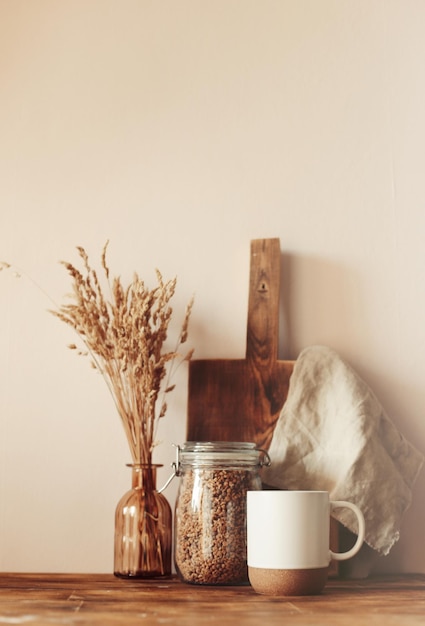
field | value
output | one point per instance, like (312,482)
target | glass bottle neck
(143,476)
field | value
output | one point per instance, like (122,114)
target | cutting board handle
(263,303)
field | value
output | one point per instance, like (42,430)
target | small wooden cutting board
(241,399)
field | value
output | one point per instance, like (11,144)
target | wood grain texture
(102,599)
(241,399)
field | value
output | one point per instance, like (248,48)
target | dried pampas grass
(124,335)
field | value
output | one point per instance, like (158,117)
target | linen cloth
(333,435)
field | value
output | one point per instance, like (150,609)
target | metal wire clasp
(176,467)
(265,461)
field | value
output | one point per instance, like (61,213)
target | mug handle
(343,556)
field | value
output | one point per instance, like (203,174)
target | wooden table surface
(46,599)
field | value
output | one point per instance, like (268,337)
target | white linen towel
(333,435)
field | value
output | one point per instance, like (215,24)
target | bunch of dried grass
(124,336)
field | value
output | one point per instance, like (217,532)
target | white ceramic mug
(288,540)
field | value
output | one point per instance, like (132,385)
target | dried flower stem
(124,336)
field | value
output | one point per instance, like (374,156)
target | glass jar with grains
(210,514)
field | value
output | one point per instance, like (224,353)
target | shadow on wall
(320,301)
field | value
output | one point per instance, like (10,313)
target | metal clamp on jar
(210,516)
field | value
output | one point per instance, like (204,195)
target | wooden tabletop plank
(42,599)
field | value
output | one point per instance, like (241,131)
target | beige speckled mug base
(288,582)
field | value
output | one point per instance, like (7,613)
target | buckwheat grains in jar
(210,515)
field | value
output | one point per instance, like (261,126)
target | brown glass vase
(143,528)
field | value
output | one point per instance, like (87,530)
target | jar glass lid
(222,452)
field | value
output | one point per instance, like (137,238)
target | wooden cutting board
(241,399)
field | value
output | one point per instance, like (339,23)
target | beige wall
(181,130)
